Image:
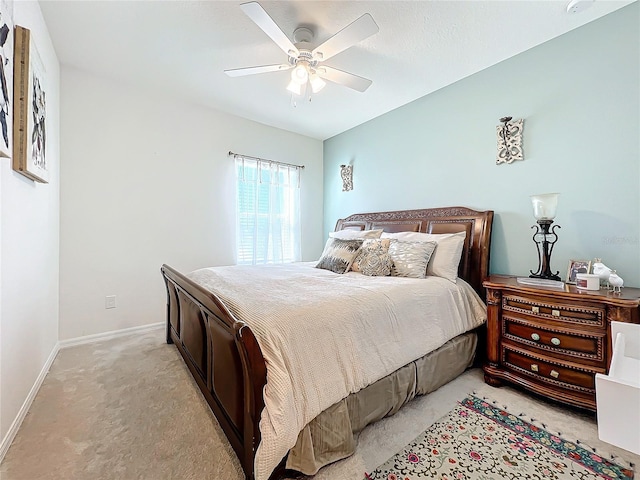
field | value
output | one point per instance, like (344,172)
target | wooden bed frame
(222,353)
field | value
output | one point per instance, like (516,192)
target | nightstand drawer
(556,373)
(577,313)
(559,341)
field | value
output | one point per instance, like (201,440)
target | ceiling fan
(304,61)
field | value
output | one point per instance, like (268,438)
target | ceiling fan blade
(241,72)
(353,33)
(344,78)
(255,12)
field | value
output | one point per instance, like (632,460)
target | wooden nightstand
(553,341)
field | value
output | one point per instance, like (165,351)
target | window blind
(268,211)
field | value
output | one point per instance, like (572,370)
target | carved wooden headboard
(474,264)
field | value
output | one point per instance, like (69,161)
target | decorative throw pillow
(410,259)
(373,258)
(370,245)
(338,255)
(354,234)
(446,258)
(376,264)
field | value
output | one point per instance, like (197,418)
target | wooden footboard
(223,357)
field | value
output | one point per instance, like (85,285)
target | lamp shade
(294,88)
(316,82)
(300,73)
(544,205)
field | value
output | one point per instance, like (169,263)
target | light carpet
(127,408)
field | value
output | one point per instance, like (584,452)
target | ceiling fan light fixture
(295,87)
(317,83)
(303,60)
(300,73)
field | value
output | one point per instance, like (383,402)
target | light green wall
(579,96)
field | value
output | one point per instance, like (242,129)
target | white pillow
(355,234)
(446,258)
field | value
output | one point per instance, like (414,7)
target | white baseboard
(15,426)
(98,337)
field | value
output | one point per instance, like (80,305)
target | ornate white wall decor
(509,140)
(346,172)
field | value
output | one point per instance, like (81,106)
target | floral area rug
(480,441)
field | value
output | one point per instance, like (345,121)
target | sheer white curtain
(267,212)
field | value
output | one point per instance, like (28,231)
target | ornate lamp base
(550,276)
(545,238)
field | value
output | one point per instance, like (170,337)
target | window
(267,213)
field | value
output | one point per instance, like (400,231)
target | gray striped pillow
(338,255)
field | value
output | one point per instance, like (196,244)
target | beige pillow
(446,257)
(369,246)
(374,260)
(355,234)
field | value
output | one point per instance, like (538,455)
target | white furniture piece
(618,394)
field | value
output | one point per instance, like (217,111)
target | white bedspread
(324,335)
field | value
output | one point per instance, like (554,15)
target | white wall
(146,180)
(29,231)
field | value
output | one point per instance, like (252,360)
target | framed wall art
(6,78)
(29,115)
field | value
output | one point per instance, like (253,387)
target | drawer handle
(555,313)
(555,341)
(534,367)
(535,336)
(554,374)
(535,309)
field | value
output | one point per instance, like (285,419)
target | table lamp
(544,210)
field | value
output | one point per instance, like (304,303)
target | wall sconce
(346,172)
(544,209)
(509,140)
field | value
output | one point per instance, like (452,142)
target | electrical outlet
(110,301)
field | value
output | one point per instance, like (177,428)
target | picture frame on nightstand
(575,267)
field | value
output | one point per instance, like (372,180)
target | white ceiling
(183,47)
